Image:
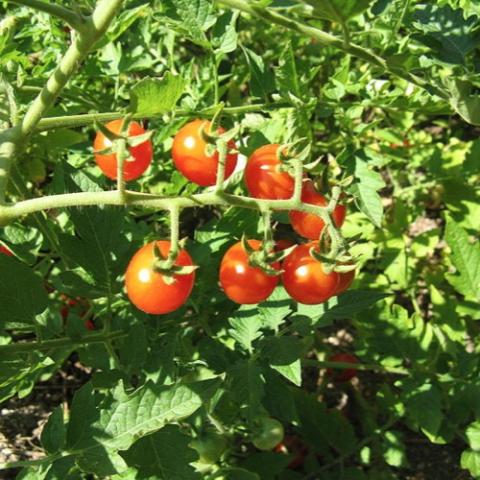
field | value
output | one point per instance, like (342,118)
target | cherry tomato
(308,225)
(210,447)
(5,251)
(346,279)
(241,282)
(89,325)
(263,175)
(72,303)
(189,153)
(342,375)
(142,154)
(283,244)
(304,277)
(268,433)
(147,289)
(293,445)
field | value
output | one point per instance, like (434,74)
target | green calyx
(166,265)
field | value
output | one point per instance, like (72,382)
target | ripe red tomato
(293,445)
(147,289)
(89,325)
(5,251)
(308,225)
(79,304)
(342,375)
(346,279)
(189,153)
(304,278)
(142,154)
(263,177)
(241,282)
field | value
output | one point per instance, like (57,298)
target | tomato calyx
(165,265)
(265,257)
(217,141)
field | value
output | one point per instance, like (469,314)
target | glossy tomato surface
(346,374)
(268,434)
(346,279)
(241,282)
(147,289)
(263,175)
(304,277)
(141,154)
(190,156)
(308,225)
(5,251)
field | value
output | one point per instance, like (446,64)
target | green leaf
(153,97)
(449,44)
(225,36)
(466,259)
(246,327)
(471,461)
(275,309)
(247,384)
(22,294)
(338,10)
(261,79)
(54,432)
(164,455)
(473,435)
(425,408)
(286,75)
(365,190)
(192,18)
(284,355)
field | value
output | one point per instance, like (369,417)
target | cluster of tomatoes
(267,176)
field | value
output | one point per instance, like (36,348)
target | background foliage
(391,101)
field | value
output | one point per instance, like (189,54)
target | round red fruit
(148,289)
(140,155)
(191,158)
(304,277)
(345,280)
(243,283)
(264,177)
(309,225)
(342,375)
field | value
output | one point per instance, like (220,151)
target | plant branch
(356,366)
(74,19)
(328,39)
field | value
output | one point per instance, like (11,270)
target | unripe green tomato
(268,433)
(210,447)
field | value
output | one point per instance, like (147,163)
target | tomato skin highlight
(268,434)
(241,282)
(308,225)
(304,278)
(293,445)
(147,289)
(190,155)
(5,251)
(342,375)
(142,153)
(263,178)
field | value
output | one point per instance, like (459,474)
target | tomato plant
(139,159)
(5,250)
(264,176)
(192,158)
(210,447)
(150,290)
(242,282)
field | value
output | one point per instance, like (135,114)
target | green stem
(14,348)
(222,159)
(122,155)
(174,233)
(70,121)
(327,39)
(146,200)
(74,19)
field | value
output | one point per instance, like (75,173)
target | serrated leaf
(247,384)
(425,408)
(275,309)
(246,327)
(224,34)
(470,461)
(365,190)
(261,81)
(164,455)
(54,432)
(22,294)
(286,75)
(153,97)
(466,259)
(284,356)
